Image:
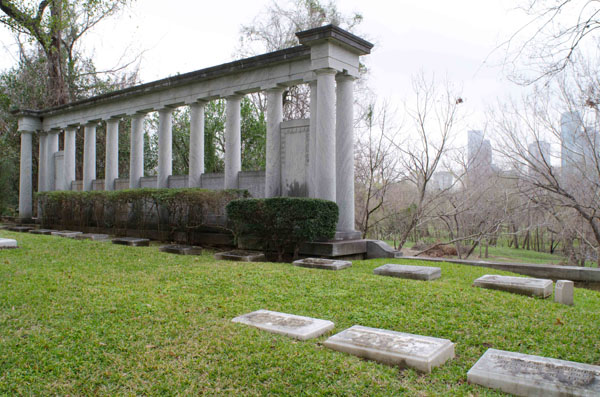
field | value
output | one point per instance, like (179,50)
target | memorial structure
(313,158)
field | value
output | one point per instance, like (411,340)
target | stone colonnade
(327,60)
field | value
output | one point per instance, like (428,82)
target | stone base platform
(349,249)
(66,233)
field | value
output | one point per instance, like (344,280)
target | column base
(347,235)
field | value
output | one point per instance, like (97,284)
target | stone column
(25,181)
(344,152)
(233,142)
(52,148)
(196,144)
(111,171)
(136,156)
(42,162)
(273,163)
(312,141)
(165,147)
(325,139)
(69,173)
(89,155)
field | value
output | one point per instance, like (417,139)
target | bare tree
(562,114)
(428,140)
(556,31)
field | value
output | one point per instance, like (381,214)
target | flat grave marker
(181,249)
(8,243)
(66,233)
(410,272)
(45,232)
(298,327)
(240,256)
(20,229)
(321,263)
(93,237)
(527,375)
(132,241)
(422,353)
(518,285)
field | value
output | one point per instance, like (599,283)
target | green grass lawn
(80,318)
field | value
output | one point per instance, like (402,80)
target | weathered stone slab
(320,263)
(298,327)
(6,243)
(240,256)
(519,285)
(181,249)
(563,292)
(395,348)
(526,375)
(411,272)
(93,237)
(20,229)
(66,233)
(45,232)
(132,241)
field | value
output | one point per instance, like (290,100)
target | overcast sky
(452,38)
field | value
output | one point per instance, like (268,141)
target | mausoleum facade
(312,158)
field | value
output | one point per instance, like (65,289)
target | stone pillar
(233,142)
(42,162)
(196,144)
(165,147)
(325,135)
(69,149)
(89,155)
(25,181)
(312,141)
(136,156)
(52,148)
(344,152)
(111,171)
(273,163)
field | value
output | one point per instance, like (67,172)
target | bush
(141,209)
(283,222)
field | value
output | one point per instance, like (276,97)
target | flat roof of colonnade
(285,67)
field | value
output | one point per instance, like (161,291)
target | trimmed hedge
(283,222)
(141,209)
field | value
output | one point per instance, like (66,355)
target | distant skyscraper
(580,144)
(479,156)
(539,153)
(443,180)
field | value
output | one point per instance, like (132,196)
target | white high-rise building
(479,156)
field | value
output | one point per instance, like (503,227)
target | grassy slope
(81,317)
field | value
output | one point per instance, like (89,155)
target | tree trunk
(54,52)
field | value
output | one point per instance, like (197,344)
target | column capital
(198,103)
(345,77)
(326,71)
(233,97)
(29,123)
(113,120)
(90,124)
(276,89)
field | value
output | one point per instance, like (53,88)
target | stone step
(45,232)
(66,233)
(298,327)
(422,353)
(527,375)
(518,285)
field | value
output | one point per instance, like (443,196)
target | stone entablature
(327,59)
